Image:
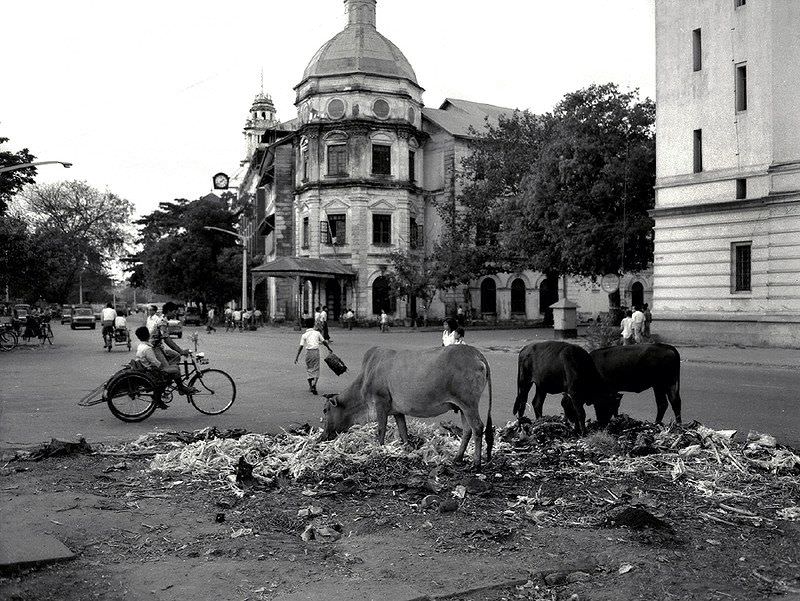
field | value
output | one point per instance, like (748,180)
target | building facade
(727,213)
(357,176)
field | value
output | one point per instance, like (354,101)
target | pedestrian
(247,319)
(384,322)
(323,316)
(258,316)
(626,327)
(648,317)
(310,341)
(638,324)
(210,321)
(460,315)
(459,336)
(237,319)
(449,333)
(350,317)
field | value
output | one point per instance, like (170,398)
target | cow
(637,367)
(418,383)
(560,367)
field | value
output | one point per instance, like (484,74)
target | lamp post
(34,164)
(244,259)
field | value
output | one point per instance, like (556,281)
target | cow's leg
(674,396)
(538,401)
(465,436)
(581,413)
(524,384)
(569,410)
(473,424)
(382,414)
(402,429)
(661,403)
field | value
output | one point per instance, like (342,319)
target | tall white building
(727,212)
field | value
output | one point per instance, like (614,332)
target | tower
(261,118)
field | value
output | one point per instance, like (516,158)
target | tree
(181,259)
(11,182)
(583,206)
(414,274)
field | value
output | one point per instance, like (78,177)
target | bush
(602,333)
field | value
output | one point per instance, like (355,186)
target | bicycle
(133,393)
(45,333)
(8,337)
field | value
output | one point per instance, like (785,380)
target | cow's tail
(488,431)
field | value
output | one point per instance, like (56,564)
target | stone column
(565,319)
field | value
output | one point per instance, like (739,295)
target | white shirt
(384,318)
(146,354)
(237,316)
(638,318)
(627,327)
(211,313)
(108,314)
(448,338)
(311,339)
(153,321)
(349,315)
(120,322)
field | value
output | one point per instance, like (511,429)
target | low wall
(778,330)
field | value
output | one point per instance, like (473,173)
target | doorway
(333,298)
(637,295)
(548,294)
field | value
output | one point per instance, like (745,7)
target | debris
(789,513)
(430,501)
(624,568)
(311,511)
(460,491)
(326,533)
(220,517)
(756,439)
(241,532)
(635,518)
(448,506)
(578,577)
(58,448)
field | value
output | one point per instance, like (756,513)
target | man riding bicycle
(107,320)
(147,355)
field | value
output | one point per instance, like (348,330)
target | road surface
(40,386)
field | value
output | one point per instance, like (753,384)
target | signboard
(610,283)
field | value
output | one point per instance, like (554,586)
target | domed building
(356,177)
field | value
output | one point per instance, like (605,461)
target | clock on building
(221,181)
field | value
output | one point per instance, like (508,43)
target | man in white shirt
(350,317)
(449,334)
(310,340)
(237,319)
(638,324)
(626,327)
(107,317)
(146,354)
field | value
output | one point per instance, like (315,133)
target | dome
(360,49)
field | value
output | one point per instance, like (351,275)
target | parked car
(192,317)
(83,317)
(22,311)
(66,315)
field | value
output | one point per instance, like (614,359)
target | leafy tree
(11,182)
(414,274)
(582,208)
(180,258)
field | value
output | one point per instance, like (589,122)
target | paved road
(40,387)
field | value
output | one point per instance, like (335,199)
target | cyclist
(167,351)
(107,320)
(146,354)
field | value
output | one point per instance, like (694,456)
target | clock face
(221,181)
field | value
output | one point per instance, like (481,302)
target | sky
(148,99)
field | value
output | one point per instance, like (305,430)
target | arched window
(488,296)
(518,296)
(548,294)
(382,297)
(637,294)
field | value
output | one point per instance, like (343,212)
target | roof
(359,48)
(458,116)
(289,267)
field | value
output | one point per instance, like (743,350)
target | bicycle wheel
(8,340)
(216,391)
(132,397)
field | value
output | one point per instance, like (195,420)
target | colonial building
(727,245)
(357,176)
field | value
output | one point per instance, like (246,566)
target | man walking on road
(638,325)
(310,340)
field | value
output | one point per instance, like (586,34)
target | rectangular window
(412,168)
(335,230)
(741,256)
(741,87)
(697,50)
(698,150)
(304,233)
(337,159)
(741,188)
(305,165)
(738,3)
(381,159)
(382,230)
(413,237)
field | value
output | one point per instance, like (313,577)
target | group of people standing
(635,326)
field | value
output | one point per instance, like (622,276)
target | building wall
(698,215)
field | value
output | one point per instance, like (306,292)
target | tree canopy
(566,192)
(181,259)
(11,182)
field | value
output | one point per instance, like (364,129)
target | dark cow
(423,383)
(637,367)
(560,367)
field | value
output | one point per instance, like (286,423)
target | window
(741,189)
(336,109)
(337,159)
(739,3)
(382,297)
(333,232)
(304,233)
(740,253)
(382,230)
(698,150)
(305,165)
(488,296)
(412,175)
(381,159)
(741,87)
(518,296)
(381,108)
(697,50)
(413,233)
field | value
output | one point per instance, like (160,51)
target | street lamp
(244,259)
(26,165)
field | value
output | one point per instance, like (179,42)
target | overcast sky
(149,98)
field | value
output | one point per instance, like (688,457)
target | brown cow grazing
(423,383)
(638,367)
(560,367)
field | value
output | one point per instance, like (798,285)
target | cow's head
(335,417)
(606,406)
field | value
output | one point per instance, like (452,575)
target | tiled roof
(304,266)
(458,116)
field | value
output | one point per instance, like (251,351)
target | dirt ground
(543,520)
